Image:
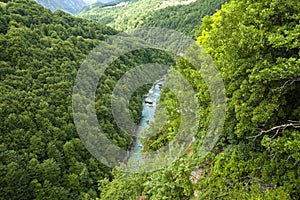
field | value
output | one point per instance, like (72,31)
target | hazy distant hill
(71,6)
(103,1)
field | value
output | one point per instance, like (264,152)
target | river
(148,113)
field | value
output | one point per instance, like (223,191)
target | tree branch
(294,124)
(290,82)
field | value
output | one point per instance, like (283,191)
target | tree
(255,47)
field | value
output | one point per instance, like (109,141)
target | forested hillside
(41,154)
(183,18)
(255,46)
(128,13)
(102,4)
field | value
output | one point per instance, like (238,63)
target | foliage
(41,154)
(101,4)
(183,18)
(108,82)
(127,14)
(255,46)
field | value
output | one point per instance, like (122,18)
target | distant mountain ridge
(104,1)
(70,6)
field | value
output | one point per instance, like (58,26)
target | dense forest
(178,15)
(183,18)
(255,45)
(126,14)
(42,156)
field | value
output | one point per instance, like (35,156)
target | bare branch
(291,121)
(294,124)
(256,136)
(283,126)
(276,133)
(290,82)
